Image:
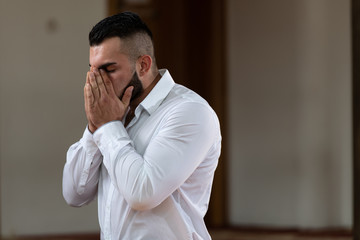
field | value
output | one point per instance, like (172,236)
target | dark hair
(136,37)
(122,25)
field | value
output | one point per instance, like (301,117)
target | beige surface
(216,235)
(234,235)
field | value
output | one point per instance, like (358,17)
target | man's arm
(187,135)
(184,140)
(81,171)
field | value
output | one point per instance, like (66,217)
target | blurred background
(278,73)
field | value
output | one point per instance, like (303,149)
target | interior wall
(289,113)
(289,68)
(43,64)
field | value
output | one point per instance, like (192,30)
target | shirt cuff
(88,143)
(110,136)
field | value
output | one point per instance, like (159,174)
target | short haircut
(133,32)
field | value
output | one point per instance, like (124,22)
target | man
(151,146)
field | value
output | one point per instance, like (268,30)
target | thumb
(127,96)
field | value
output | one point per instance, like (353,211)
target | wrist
(91,128)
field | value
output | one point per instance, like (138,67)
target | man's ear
(145,63)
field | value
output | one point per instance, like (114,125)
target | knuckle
(88,97)
(107,81)
(104,99)
(99,82)
(93,109)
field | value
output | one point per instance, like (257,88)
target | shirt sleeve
(81,171)
(185,137)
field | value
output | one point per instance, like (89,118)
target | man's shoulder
(182,94)
(183,99)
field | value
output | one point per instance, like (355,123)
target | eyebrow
(104,66)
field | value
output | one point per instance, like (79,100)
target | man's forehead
(107,53)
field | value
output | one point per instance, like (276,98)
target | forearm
(170,158)
(81,173)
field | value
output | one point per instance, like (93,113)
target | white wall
(289,94)
(289,68)
(43,64)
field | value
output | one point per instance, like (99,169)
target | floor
(249,235)
(223,234)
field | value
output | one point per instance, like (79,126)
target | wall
(43,64)
(289,124)
(289,68)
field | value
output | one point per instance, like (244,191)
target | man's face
(136,83)
(108,56)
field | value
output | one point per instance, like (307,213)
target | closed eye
(106,66)
(109,71)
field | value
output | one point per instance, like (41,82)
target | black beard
(138,88)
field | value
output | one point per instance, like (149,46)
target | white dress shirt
(153,178)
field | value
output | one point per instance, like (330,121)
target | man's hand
(101,103)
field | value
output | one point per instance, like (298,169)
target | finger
(94,86)
(87,100)
(86,103)
(88,77)
(100,83)
(87,84)
(85,97)
(127,96)
(108,84)
(88,96)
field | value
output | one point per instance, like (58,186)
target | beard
(138,87)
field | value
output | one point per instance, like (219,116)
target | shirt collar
(159,92)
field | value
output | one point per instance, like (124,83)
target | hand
(101,103)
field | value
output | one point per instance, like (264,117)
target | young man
(151,146)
